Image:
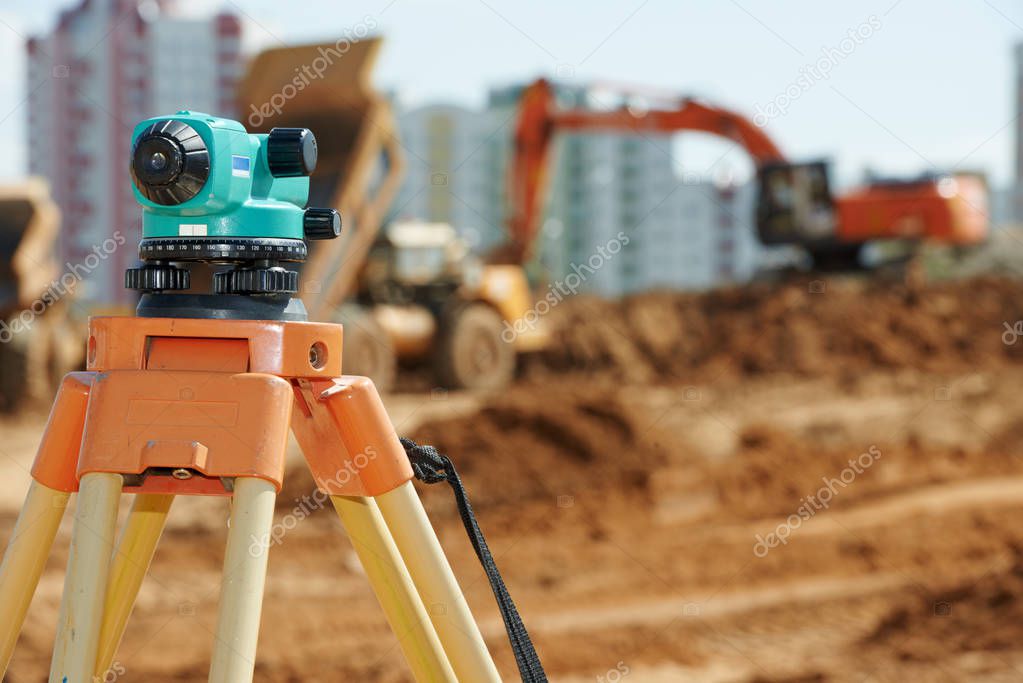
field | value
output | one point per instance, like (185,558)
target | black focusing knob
(291,152)
(321,224)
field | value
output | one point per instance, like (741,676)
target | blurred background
(717,307)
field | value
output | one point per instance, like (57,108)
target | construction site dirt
(818,480)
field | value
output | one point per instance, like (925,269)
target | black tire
(837,258)
(15,368)
(65,352)
(367,350)
(470,353)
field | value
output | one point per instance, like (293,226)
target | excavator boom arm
(540,119)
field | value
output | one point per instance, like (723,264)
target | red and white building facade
(1017,190)
(107,65)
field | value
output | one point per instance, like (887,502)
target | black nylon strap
(430,467)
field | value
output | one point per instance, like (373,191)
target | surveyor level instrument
(196,395)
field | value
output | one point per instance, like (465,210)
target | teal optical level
(213,192)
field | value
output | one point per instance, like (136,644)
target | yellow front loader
(411,292)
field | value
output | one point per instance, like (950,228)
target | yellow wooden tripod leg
(241,593)
(81,609)
(130,563)
(394,588)
(24,560)
(436,583)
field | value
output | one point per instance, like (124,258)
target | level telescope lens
(158,160)
(170,162)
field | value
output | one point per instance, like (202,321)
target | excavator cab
(795,204)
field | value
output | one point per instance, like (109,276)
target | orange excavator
(795,205)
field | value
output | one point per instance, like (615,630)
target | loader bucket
(327,88)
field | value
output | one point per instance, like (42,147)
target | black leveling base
(221,306)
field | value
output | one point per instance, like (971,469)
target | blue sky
(930,87)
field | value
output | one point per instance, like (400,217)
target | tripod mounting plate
(273,346)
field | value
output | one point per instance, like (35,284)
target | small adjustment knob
(321,224)
(291,152)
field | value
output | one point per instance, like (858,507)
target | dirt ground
(800,482)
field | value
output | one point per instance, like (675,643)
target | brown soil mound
(522,448)
(519,448)
(811,328)
(975,616)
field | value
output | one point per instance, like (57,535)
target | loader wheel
(367,349)
(837,259)
(15,366)
(35,360)
(470,352)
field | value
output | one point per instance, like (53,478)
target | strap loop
(431,467)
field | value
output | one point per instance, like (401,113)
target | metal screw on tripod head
(181,473)
(318,355)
